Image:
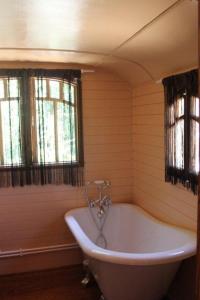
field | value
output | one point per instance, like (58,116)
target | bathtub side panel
(133,282)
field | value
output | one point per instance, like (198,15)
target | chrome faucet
(101,203)
(104,199)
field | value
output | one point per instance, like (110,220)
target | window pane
(45,131)
(58,117)
(194,146)
(66,133)
(171,153)
(179,144)
(1,89)
(180,107)
(40,88)
(13,88)
(10,115)
(69,92)
(171,118)
(194,106)
(54,89)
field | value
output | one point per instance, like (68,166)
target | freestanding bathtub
(141,256)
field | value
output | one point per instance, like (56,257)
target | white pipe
(87,71)
(38,250)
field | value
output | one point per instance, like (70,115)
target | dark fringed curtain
(182,129)
(32,127)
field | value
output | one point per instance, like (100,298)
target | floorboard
(59,284)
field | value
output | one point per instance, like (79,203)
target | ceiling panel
(84,25)
(92,32)
(168,45)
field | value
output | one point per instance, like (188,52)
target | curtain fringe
(42,175)
(175,176)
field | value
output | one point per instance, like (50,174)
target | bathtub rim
(94,251)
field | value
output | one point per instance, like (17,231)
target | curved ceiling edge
(82,52)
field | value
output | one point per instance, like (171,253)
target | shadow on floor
(57,284)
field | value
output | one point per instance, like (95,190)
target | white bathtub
(142,254)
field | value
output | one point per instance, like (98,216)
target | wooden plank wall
(123,142)
(33,216)
(173,204)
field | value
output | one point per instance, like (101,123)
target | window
(194,135)
(176,133)
(10,123)
(51,99)
(40,127)
(182,129)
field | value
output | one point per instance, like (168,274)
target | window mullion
(194,118)
(61,84)
(27,121)
(5,89)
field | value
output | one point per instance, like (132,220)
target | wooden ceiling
(140,40)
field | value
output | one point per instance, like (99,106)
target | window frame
(185,86)
(48,98)
(29,172)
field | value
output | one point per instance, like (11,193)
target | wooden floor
(59,284)
(64,284)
